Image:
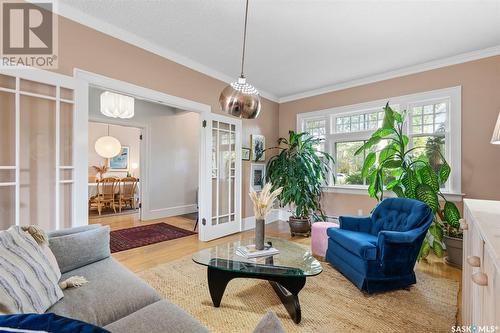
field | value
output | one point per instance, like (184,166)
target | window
(348,168)
(360,122)
(432,121)
(317,129)
(428,130)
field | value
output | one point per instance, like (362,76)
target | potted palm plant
(418,173)
(301,169)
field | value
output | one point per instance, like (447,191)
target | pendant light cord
(244,40)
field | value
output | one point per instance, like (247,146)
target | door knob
(480,279)
(474,261)
(463,224)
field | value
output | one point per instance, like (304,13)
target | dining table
(93,190)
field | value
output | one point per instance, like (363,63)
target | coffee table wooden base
(286,287)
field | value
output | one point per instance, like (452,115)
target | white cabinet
(491,292)
(481,266)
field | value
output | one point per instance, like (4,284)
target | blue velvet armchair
(378,253)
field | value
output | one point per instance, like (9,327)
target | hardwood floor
(142,258)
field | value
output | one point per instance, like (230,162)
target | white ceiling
(299,47)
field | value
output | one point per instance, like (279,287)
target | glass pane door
(222,141)
(36,161)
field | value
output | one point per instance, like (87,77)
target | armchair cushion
(397,214)
(362,244)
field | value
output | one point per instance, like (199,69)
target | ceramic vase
(259,234)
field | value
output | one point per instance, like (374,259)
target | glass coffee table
(286,271)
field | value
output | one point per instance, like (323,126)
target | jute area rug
(329,302)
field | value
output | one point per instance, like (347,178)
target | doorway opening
(218,155)
(159,153)
(123,169)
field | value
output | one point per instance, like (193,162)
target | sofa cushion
(74,230)
(361,244)
(78,249)
(112,293)
(159,317)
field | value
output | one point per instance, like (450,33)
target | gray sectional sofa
(114,298)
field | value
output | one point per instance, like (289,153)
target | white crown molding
(457,59)
(111,30)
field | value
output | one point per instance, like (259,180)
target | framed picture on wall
(257,176)
(121,161)
(245,154)
(258,144)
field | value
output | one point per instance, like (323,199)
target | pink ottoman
(319,238)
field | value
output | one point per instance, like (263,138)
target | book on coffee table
(249,251)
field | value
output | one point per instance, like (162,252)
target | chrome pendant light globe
(240,99)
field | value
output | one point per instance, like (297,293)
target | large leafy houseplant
(301,169)
(391,165)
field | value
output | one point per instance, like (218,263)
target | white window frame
(452,95)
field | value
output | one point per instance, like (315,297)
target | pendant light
(240,98)
(108,146)
(116,105)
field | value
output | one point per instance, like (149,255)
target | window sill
(362,190)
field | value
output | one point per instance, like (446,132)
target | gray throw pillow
(269,324)
(79,249)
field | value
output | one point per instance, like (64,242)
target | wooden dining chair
(106,191)
(128,186)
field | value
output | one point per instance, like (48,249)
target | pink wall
(480,81)
(84,48)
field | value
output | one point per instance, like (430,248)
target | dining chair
(128,186)
(106,190)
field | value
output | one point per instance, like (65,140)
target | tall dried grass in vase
(262,203)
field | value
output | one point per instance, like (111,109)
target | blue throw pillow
(47,322)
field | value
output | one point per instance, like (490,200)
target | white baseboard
(167,212)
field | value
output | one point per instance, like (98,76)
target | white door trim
(83,80)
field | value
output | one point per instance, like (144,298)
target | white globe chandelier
(117,106)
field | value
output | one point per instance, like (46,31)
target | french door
(220,177)
(36,158)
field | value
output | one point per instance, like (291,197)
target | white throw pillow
(40,236)
(28,281)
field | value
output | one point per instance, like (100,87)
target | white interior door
(36,160)
(220,177)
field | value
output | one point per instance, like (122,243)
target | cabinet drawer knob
(480,279)
(474,261)
(463,224)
